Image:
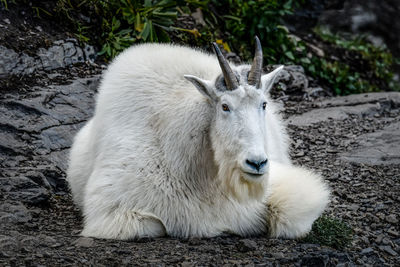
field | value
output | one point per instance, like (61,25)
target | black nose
(256,164)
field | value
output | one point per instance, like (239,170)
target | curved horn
(254,77)
(230,78)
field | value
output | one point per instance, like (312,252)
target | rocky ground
(47,93)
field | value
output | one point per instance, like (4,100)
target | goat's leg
(106,215)
(296,198)
(124,225)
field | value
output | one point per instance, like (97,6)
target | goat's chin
(241,186)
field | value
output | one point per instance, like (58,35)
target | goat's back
(148,115)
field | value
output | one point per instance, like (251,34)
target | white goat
(162,158)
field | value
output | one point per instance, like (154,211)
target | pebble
(14,213)
(314,260)
(85,242)
(392,219)
(278,255)
(389,250)
(246,245)
(367,251)
(379,238)
(354,207)
(393,233)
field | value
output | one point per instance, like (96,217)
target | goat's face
(238,130)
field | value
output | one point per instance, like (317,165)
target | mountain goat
(177,148)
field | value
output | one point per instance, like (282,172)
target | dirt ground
(40,112)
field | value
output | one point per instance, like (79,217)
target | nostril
(262,163)
(252,164)
(256,164)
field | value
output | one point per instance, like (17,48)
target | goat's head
(238,130)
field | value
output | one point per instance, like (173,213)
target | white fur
(158,157)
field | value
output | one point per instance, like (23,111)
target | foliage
(116,40)
(126,21)
(378,60)
(338,76)
(114,25)
(4,3)
(329,232)
(245,19)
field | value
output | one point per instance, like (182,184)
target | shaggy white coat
(147,163)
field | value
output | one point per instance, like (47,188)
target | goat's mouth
(251,176)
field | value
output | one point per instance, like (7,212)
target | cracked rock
(60,55)
(14,213)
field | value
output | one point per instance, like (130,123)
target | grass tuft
(329,232)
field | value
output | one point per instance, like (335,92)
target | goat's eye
(225,108)
(264,105)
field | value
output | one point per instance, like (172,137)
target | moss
(330,232)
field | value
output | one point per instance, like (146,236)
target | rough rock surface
(61,54)
(380,147)
(40,225)
(340,108)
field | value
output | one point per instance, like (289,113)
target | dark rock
(246,245)
(314,260)
(86,242)
(367,251)
(381,147)
(194,241)
(379,238)
(8,243)
(47,241)
(388,250)
(278,255)
(33,196)
(25,190)
(60,55)
(292,79)
(332,113)
(392,218)
(14,212)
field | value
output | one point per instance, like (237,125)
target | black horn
(254,77)
(229,76)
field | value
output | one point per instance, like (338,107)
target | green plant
(150,19)
(358,67)
(245,19)
(338,76)
(4,3)
(38,10)
(123,22)
(378,61)
(145,21)
(82,32)
(116,41)
(329,232)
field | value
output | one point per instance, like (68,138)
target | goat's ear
(203,86)
(267,80)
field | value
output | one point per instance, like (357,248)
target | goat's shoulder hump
(164,52)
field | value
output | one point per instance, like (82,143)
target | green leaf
(289,54)
(145,32)
(147,3)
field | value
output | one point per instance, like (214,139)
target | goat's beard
(233,182)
